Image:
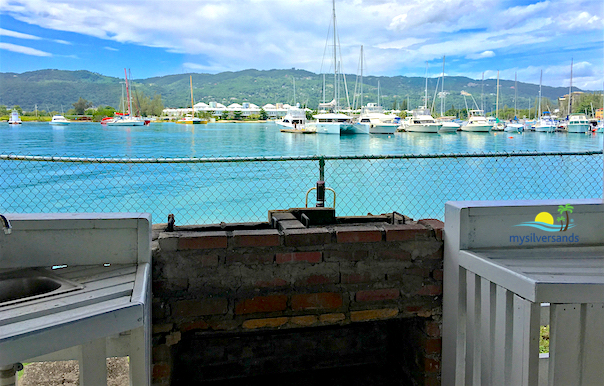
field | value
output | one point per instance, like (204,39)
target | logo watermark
(545,221)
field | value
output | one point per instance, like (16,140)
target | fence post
(321,184)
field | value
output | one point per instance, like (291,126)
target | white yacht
(448,125)
(59,120)
(546,123)
(294,121)
(376,122)
(578,123)
(513,127)
(126,120)
(14,118)
(331,123)
(422,122)
(477,122)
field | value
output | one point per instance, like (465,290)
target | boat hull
(123,122)
(326,127)
(357,128)
(477,128)
(578,128)
(383,128)
(545,129)
(428,128)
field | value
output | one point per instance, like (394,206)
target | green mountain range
(56,90)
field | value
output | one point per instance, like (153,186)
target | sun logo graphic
(545,221)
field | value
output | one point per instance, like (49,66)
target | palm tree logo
(564,209)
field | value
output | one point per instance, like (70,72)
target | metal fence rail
(236,189)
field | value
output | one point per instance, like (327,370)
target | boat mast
(361,85)
(294,79)
(570,89)
(379,93)
(482,94)
(540,80)
(335,62)
(426,92)
(192,107)
(515,94)
(128,93)
(442,91)
(497,102)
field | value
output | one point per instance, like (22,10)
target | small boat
(546,123)
(477,122)
(448,125)
(577,123)
(373,116)
(192,119)
(14,118)
(422,121)
(59,120)
(126,120)
(294,122)
(331,123)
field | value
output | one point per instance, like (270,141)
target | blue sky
(155,38)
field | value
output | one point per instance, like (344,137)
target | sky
(156,38)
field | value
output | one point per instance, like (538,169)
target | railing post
(321,184)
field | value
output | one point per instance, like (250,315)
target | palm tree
(561,219)
(565,209)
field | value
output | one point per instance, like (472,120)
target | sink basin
(28,284)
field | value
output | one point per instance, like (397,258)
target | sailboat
(372,119)
(127,120)
(514,126)
(546,123)
(448,126)
(192,120)
(422,120)
(330,120)
(577,122)
(497,126)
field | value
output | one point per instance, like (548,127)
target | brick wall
(210,283)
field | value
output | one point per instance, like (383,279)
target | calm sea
(234,192)
(262,139)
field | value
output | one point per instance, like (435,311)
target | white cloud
(23,50)
(18,35)
(484,54)
(110,48)
(62,41)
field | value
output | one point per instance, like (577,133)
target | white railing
(497,296)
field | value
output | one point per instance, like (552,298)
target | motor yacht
(422,121)
(477,122)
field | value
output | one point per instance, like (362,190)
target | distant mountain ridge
(54,90)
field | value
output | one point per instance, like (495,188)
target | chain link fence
(214,190)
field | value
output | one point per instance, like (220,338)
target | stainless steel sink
(34,283)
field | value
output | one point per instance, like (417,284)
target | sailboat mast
(192,108)
(426,92)
(335,62)
(294,79)
(540,80)
(570,89)
(442,91)
(379,93)
(361,88)
(128,93)
(497,102)
(482,94)
(515,94)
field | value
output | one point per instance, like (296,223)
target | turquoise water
(263,139)
(245,191)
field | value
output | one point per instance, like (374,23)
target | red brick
(354,255)
(319,279)
(431,365)
(250,258)
(377,295)
(435,225)
(205,240)
(304,237)
(196,325)
(256,238)
(360,234)
(317,301)
(395,255)
(275,282)
(405,232)
(309,257)
(433,329)
(433,346)
(192,308)
(420,311)
(437,274)
(271,303)
(431,290)
(161,370)
(353,278)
